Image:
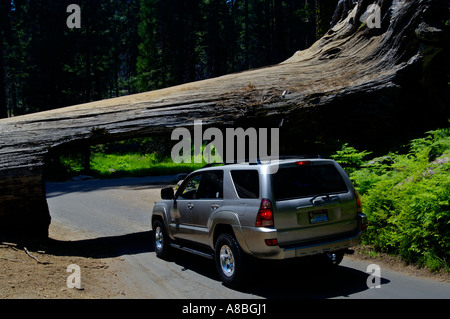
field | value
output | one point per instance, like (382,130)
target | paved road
(111,218)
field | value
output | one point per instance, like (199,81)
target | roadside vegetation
(112,165)
(406,198)
(127,165)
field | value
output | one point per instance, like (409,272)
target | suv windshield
(308,180)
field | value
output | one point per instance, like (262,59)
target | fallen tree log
(366,85)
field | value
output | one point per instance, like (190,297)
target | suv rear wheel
(229,260)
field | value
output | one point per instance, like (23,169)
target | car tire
(229,259)
(161,240)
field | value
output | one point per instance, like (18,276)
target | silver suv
(233,212)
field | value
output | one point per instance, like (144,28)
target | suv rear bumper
(319,248)
(255,241)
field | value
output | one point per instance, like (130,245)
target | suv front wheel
(161,241)
(229,260)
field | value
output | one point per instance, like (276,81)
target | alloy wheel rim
(159,239)
(227,261)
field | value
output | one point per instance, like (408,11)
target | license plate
(318,216)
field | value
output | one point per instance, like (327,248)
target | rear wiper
(325,199)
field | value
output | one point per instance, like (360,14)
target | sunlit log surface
(357,83)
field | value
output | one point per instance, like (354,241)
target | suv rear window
(246,183)
(308,180)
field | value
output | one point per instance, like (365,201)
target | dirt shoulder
(394,263)
(38,270)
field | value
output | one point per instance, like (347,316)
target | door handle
(215,206)
(190,206)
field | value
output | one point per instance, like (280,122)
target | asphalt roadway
(113,217)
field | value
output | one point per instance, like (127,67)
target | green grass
(125,165)
(112,165)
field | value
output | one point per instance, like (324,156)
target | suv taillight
(358,202)
(362,217)
(265,214)
(300,163)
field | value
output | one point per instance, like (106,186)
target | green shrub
(406,198)
(349,158)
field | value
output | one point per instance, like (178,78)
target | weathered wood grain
(354,82)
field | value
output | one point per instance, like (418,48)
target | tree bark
(367,86)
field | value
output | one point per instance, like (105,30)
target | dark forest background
(131,46)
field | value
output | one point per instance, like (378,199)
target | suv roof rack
(231,163)
(258,160)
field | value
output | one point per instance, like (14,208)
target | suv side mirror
(167,193)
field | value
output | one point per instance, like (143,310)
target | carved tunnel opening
(66,161)
(87,201)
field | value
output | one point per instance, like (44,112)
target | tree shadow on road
(306,281)
(278,280)
(103,247)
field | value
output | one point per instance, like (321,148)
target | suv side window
(246,183)
(206,185)
(191,187)
(211,185)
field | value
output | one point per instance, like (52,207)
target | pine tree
(148,61)
(4,19)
